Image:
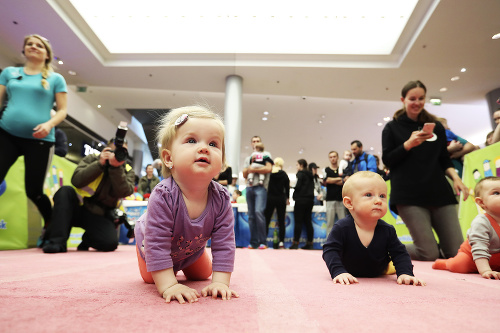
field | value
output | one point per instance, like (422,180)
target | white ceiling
(349,101)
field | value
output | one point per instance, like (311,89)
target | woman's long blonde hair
(47,67)
(278,164)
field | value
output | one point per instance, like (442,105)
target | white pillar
(232,121)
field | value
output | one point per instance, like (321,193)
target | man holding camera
(100,182)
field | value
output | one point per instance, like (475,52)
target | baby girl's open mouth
(203,160)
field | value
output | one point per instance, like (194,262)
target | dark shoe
(294,246)
(50,247)
(308,246)
(83,247)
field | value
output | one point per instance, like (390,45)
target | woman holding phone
(414,149)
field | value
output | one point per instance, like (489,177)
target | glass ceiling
(323,27)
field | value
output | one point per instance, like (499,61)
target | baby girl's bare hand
(180,292)
(217,288)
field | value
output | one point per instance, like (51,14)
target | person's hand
(454,146)
(108,155)
(180,292)
(345,278)
(416,139)
(41,130)
(114,162)
(491,275)
(407,279)
(459,186)
(216,288)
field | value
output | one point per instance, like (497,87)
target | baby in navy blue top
(362,244)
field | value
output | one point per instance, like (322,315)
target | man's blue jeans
(256,201)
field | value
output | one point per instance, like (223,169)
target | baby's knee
(461,264)
(201,269)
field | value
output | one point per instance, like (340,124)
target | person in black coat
(278,194)
(420,193)
(304,201)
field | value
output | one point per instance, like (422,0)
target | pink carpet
(280,291)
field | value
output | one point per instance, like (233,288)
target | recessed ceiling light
(455,78)
(266,113)
(264,118)
(99,106)
(443,89)
(71,72)
(497,36)
(463,70)
(379,124)
(60,62)
(387,118)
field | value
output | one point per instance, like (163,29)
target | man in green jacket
(101,181)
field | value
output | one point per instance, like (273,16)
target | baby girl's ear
(166,158)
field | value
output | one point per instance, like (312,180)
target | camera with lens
(121,152)
(118,217)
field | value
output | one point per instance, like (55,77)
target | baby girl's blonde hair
(167,129)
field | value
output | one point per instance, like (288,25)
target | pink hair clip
(181,120)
